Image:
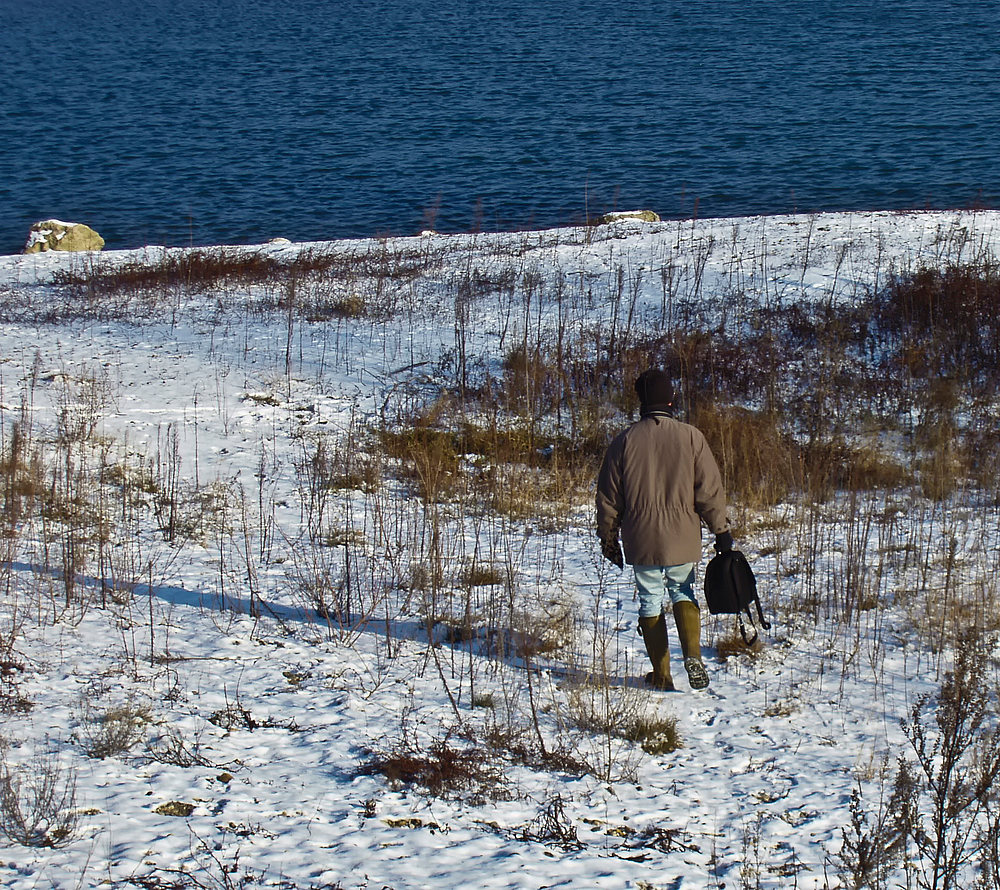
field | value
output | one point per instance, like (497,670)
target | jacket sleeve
(709,493)
(610,499)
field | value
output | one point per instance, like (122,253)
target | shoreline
(590,232)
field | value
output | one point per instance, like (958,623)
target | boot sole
(697,675)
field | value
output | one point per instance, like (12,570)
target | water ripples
(180,121)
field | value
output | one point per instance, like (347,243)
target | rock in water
(52,234)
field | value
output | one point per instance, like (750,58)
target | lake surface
(187,122)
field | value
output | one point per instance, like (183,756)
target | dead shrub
(177,747)
(112,731)
(732,645)
(234,716)
(482,575)
(106,288)
(503,737)
(509,468)
(330,465)
(552,827)
(11,670)
(351,305)
(757,460)
(947,321)
(22,477)
(531,383)
(657,734)
(191,269)
(831,465)
(444,769)
(981,457)
(38,802)
(542,630)
(942,812)
(428,458)
(622,712)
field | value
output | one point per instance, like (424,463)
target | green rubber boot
(688,619)
(654,635)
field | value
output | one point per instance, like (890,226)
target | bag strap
(764,623)
(760,614)
(743,630)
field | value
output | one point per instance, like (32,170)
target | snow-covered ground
(257,716)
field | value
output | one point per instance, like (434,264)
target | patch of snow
(262,706)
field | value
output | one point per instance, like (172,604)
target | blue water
(188,122)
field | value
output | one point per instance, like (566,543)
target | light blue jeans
(654,583)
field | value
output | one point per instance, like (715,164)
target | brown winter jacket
(658,480)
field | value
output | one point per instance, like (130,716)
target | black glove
(612,552)
(723,542)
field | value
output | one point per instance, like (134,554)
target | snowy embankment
(215,616)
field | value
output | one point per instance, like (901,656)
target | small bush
(945,321)
(503,736)
(429,458)
(11,669)
(234,716)
(349,306)
(942,811)
(443,769)
(113,731)
(181,749)
(330,465)
(875,841)
(552,827)
(482,575)
(621,712)
(656,734)
(755,455)
(38,802)
(732,645)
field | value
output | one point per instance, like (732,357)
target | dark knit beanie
(655,391)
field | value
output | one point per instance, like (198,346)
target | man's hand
(723,542)
(612,552)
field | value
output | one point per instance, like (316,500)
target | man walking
(658,483)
